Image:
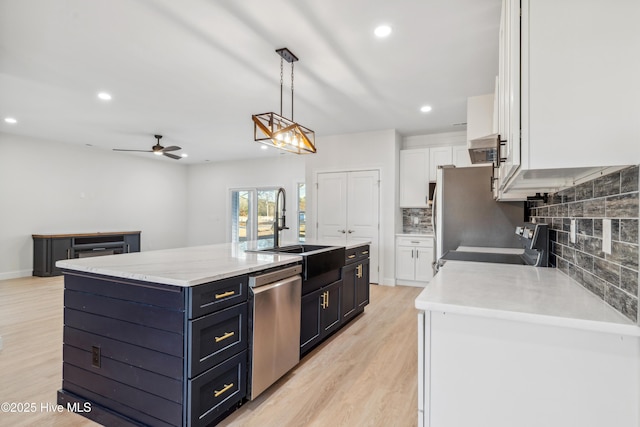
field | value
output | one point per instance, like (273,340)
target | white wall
(209,186)
(357,151)
(51,187)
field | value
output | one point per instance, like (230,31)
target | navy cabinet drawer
(214,296)
(212,393)
(356,254)
(216,337)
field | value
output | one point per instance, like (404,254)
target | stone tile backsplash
(416,220)
(613,277)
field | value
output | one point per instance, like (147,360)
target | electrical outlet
(572,231)
(416,220)
(606,236)
(95,356)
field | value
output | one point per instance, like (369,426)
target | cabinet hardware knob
(351,256)
(365,252)
(415,241)
(226,294)
(342,231)
(350,231)
(217,393)
(69,253)
(359,271)
(225,336)
(411,253)
(417,253)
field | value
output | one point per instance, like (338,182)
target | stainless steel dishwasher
(275,341)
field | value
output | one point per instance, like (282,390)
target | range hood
(484,149)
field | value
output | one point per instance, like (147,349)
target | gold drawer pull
(351,256)
(365,252)
(225,336)
(217,393)
(226,294)
(359,271)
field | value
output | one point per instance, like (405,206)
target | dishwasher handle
(266,288)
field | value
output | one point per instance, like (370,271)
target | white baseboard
(15,274)
(386,281)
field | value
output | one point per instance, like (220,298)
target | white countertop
(483,249)
(188,266)
(521,293)
(180,267)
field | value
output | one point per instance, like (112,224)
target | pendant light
(277,131)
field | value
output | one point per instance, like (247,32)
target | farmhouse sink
(316,259)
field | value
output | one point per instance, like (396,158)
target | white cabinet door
(439,156)
(580,84)
(424,264)
(405,262)
(461,157)
(509,90)
(414,178)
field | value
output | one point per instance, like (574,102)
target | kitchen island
(504,345)
(162,337)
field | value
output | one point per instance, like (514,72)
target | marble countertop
(180,267)
(188,266)
(521,293)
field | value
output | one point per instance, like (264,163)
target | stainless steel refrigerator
(465,213)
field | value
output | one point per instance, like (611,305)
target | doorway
(348,210)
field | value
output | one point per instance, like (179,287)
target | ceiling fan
(158,149)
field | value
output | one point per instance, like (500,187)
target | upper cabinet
(418,167)
(414,178)
(439,156)
(567,92)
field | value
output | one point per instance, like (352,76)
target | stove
(533,238)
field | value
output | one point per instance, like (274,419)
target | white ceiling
(195,70)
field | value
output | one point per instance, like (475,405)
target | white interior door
(348,211)
(362,213)
(332,207)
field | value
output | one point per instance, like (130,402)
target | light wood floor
(365,375)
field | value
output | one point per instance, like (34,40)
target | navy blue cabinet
(149,354)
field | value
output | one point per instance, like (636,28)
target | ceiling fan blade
(138,151)
(171,148)
(173,156)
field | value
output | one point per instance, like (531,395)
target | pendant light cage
(277,131)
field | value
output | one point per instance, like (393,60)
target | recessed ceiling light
(104,96)
(382,31)
(263,147)
(425,108)
(10,120)
(184,155)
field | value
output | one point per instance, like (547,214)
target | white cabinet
(414,260)
(568,91)
(414,178)
(439,156)
(461,157)
(418,167)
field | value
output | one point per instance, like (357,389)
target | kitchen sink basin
(316,259)
(298,249)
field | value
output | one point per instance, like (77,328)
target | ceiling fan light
(158,153)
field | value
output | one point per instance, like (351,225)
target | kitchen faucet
(276,224)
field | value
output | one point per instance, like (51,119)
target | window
(302,216)
(252,216)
